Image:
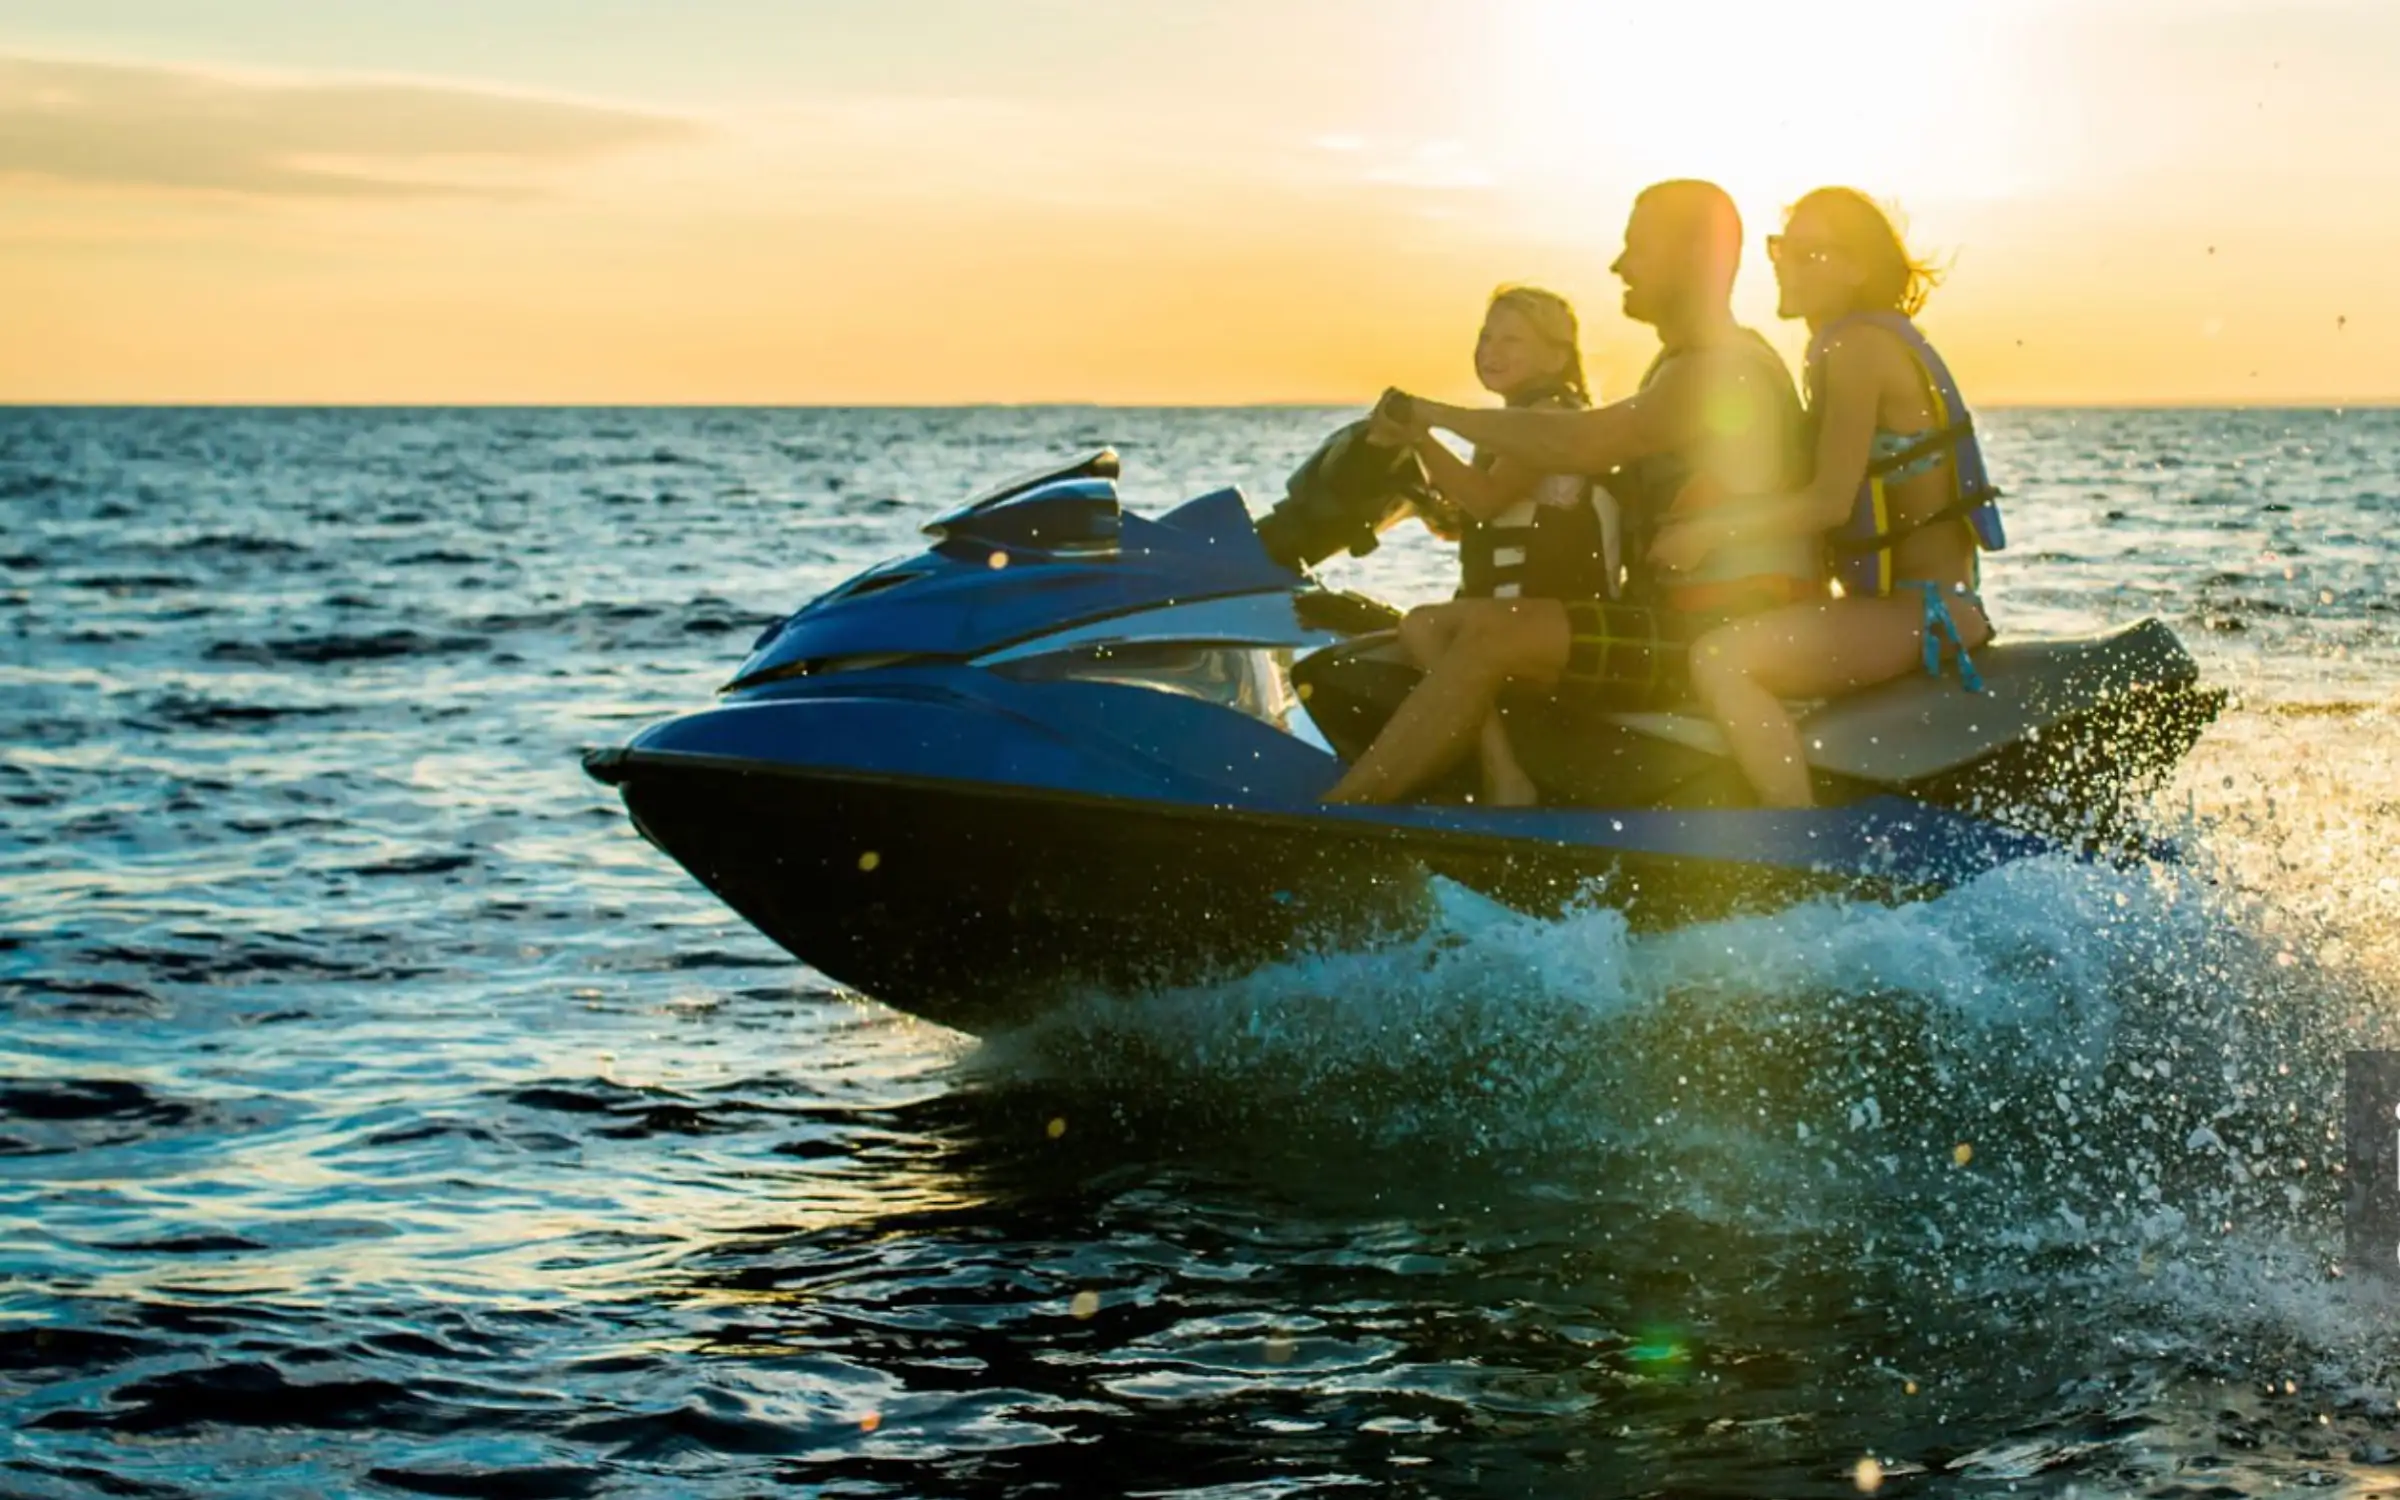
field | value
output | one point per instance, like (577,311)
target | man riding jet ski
(1067,747)
(1717,411)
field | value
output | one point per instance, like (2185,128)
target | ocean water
(378,1115)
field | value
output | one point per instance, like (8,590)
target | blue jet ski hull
(1070,863)
(1069,749)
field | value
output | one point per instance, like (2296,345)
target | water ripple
(378,1114)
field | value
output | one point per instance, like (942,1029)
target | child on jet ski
(1899,490)
(1717,404)
(1521,533)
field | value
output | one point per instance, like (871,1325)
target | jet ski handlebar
(1341,497)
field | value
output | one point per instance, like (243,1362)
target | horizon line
(2312,404)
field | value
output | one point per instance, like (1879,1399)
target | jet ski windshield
(1050,552)
(1101,464)
(1068,510)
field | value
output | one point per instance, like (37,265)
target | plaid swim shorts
(1633,655)
(1638,655)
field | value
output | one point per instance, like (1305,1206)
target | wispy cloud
(1443,166)
(175,128)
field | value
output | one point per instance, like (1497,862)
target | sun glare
(1767,100)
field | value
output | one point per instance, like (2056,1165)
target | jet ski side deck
(2065,733)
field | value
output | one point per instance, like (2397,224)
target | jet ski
(1067,747)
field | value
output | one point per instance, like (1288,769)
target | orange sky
(1153,200)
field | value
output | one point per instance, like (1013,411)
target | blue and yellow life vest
(1859,552)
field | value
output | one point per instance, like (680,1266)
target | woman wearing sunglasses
(1900,492)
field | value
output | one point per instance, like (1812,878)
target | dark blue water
(378,1115)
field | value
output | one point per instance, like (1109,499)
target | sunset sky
(936,201)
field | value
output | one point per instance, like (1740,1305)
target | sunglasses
(1784,251)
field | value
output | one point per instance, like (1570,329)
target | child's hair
(1552,317)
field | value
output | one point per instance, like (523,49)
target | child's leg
(1505,783)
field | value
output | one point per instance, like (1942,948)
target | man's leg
(1497,642)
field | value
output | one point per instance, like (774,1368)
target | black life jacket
(1646,488)
(1534,550)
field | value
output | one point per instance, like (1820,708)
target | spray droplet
(1085,1304)
(869,860)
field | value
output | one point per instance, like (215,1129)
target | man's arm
(1845,439)
(1663,416)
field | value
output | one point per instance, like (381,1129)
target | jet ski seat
(2085,694)
(1916,727)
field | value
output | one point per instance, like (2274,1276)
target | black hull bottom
(974,908)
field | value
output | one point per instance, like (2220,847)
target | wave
(2117,1051)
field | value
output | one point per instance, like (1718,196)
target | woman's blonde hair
(1552,318)
(1896,279)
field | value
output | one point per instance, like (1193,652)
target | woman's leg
(1742,672)
(1496,642)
